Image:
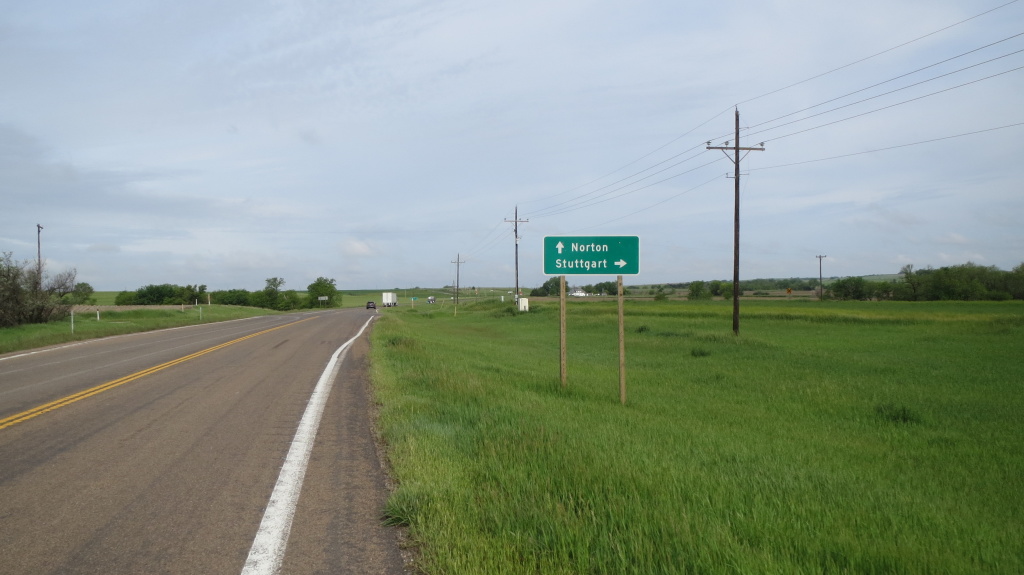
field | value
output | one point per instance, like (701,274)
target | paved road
(170,470)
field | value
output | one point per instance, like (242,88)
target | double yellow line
(48,407)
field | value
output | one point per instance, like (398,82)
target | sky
(376,143)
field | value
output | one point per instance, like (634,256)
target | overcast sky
(223,143)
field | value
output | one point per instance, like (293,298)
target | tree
(322,287)
(163,294)
(272,293)
(81,295)
(231,297)
(125,298)
(911,284)
(852,288)
(27,295)
(290,299)
(698,290)
(727,290)
(13,291)
(1015,282)
(552,287)
(607,288)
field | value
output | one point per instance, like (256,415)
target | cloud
(234,140)
(356,248)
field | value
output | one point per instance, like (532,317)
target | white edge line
(267,552)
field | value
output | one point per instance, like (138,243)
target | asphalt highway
(159,452)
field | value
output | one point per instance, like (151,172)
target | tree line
(965,282)
(272,296)
(552,287)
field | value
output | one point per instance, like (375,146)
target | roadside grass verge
(116,323)
(826,438)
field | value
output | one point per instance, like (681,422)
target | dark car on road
(371,305)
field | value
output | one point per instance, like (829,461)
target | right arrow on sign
(621,263)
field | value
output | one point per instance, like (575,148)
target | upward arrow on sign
(559,246)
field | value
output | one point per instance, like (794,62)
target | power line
(589,199)
(855,62)
(648,154)
(901,76)
(888,93)
(542,211)
(547,211)
(582,203)
(486,242)
(890,106)
(594,203)
(890,147)
(666,200)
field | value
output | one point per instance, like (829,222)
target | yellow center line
(48,407)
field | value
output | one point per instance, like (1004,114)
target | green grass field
(833,437)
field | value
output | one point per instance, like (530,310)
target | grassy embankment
(116,323)
(827,438)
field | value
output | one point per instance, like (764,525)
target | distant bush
(28,295)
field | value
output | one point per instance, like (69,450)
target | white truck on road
(389,299)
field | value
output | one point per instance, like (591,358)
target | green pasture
(104,297)
(829,437)
(88,326)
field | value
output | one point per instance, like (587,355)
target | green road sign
(591,255)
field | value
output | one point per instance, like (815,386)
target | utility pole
(458,262)
(39,257)
(735,159)
(821,286)
(515,221)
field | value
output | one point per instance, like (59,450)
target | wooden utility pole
(39,257)
(735,158)
(458,262)
(821,286)
(515,221)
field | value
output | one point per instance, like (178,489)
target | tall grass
(826,438)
